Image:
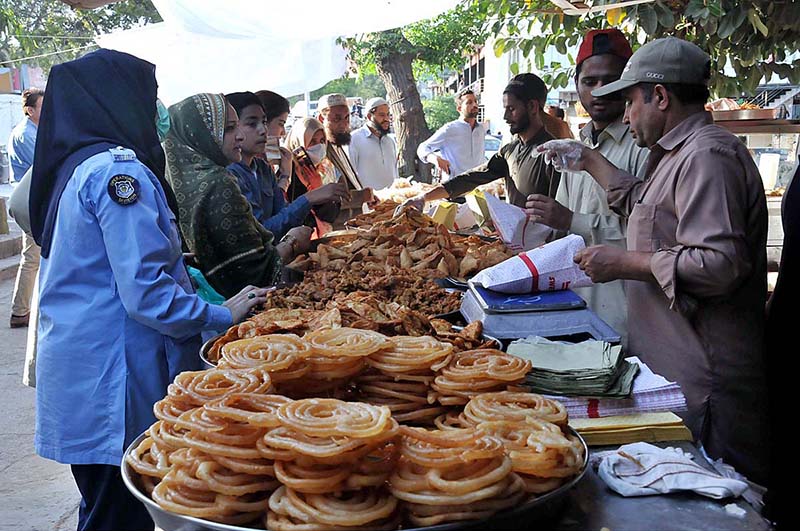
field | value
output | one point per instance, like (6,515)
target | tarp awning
(287,47)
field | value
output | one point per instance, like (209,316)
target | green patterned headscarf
(217,223)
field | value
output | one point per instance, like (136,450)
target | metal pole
(307,96)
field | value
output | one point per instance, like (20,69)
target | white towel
(641,469)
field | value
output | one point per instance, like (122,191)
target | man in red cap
(580,205)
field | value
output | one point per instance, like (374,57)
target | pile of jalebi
(199,458)
(400,377)
(452,475)
(232,446)
(532,430)
(333,459)
(478,371)
(353,310)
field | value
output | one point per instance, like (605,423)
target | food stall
(311,413)
(772,135)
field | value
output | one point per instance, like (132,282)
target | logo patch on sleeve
(123,189)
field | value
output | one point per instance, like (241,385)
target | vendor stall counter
(593,505)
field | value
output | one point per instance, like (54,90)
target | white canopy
(287,47)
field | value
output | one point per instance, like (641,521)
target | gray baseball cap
(668,60)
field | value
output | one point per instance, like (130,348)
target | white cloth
(204,63)
(315,19)
(374,158)
(213,46)
(459,144)
(641,469)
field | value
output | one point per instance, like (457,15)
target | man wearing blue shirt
(21,145)
(23,137)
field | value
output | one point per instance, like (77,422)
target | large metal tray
(540,509)
(747,114)
(210,343)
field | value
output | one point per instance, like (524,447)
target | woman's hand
(244,301)
(285,166)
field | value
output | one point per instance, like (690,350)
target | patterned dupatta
(217,223)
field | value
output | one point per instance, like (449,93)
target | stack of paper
(651,393)
(591,368)
(642,427)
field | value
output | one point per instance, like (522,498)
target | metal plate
(210,343)
(541,508)
(204,352)
(747,114)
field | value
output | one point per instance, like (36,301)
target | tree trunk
(409,119)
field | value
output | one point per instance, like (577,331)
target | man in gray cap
(372,152)
(695,268)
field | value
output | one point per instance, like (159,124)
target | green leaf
(722,60)
(715,8)
(514,67)
(561,47)
(664,15)
(648,19)
(727,25)
(694,9)
(710,26)
(499,47)
(741,16)
(526,46)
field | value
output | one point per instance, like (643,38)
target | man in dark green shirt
(524,170)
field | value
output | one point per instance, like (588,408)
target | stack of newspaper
(651,393)
(590,368)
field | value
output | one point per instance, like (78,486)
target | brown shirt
(702,211)
(525,172)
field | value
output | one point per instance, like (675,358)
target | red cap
(608,41)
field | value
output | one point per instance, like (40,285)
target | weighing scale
(549,314)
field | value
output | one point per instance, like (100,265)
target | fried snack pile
(448,476)
(474,372)
(410,240)
(531,428)
(400,378)
(403,188)
(333,459)
(388,285)
(231,447)
(354,310)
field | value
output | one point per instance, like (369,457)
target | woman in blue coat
(118,315)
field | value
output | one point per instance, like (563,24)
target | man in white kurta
(580,206)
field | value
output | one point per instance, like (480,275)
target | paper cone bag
(547,268)
(518,231)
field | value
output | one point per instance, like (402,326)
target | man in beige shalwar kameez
(695,267)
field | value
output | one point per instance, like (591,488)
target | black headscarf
(100,101)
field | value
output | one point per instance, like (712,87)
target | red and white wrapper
(550,267)
(516,228)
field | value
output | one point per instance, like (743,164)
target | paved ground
(36,494)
